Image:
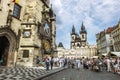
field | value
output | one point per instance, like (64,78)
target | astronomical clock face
(46,45)
(27,33)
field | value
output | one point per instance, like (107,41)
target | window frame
(25,54)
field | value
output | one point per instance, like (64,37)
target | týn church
(79,46)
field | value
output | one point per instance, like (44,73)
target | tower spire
(83,30)
(73,29)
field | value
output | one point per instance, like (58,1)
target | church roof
(109,29)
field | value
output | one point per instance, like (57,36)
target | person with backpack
(51,62)
(37,61)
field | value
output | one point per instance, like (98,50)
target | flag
(16,1)
(13,0)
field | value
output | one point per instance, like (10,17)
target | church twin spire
(78,41)
(83,30)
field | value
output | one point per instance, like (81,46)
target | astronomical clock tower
(37,32)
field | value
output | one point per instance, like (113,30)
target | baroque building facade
(116,37)
(79,46)
(104,41)
(108,41)
(27,30)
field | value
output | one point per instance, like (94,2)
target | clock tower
(73,35)
(83,35)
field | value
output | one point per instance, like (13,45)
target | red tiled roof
(109,29)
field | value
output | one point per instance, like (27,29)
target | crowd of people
(96,64)
(99,64)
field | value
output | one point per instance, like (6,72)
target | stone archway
(4,48)
(8,46)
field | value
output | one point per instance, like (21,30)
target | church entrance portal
(4,48)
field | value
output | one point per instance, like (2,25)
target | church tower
(83,35)
(73,35)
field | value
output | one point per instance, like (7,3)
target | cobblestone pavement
(23,73)
(83,74)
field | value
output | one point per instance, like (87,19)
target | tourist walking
(47,62)
(37,61)
(108,65)
(78,63)
(116,66)
(51,62)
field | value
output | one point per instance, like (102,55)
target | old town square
(59,40)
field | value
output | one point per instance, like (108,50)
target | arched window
(82,36)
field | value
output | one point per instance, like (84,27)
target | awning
(116,53)
(95,57)
(104,54)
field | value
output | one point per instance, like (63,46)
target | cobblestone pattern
(21,73)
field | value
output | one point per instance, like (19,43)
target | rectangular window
(16,12)
(25,53)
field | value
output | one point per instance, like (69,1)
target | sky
(96,15)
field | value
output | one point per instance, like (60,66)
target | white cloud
(96,15)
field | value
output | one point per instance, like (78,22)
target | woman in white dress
(78,63)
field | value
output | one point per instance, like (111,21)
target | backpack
(51,61)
